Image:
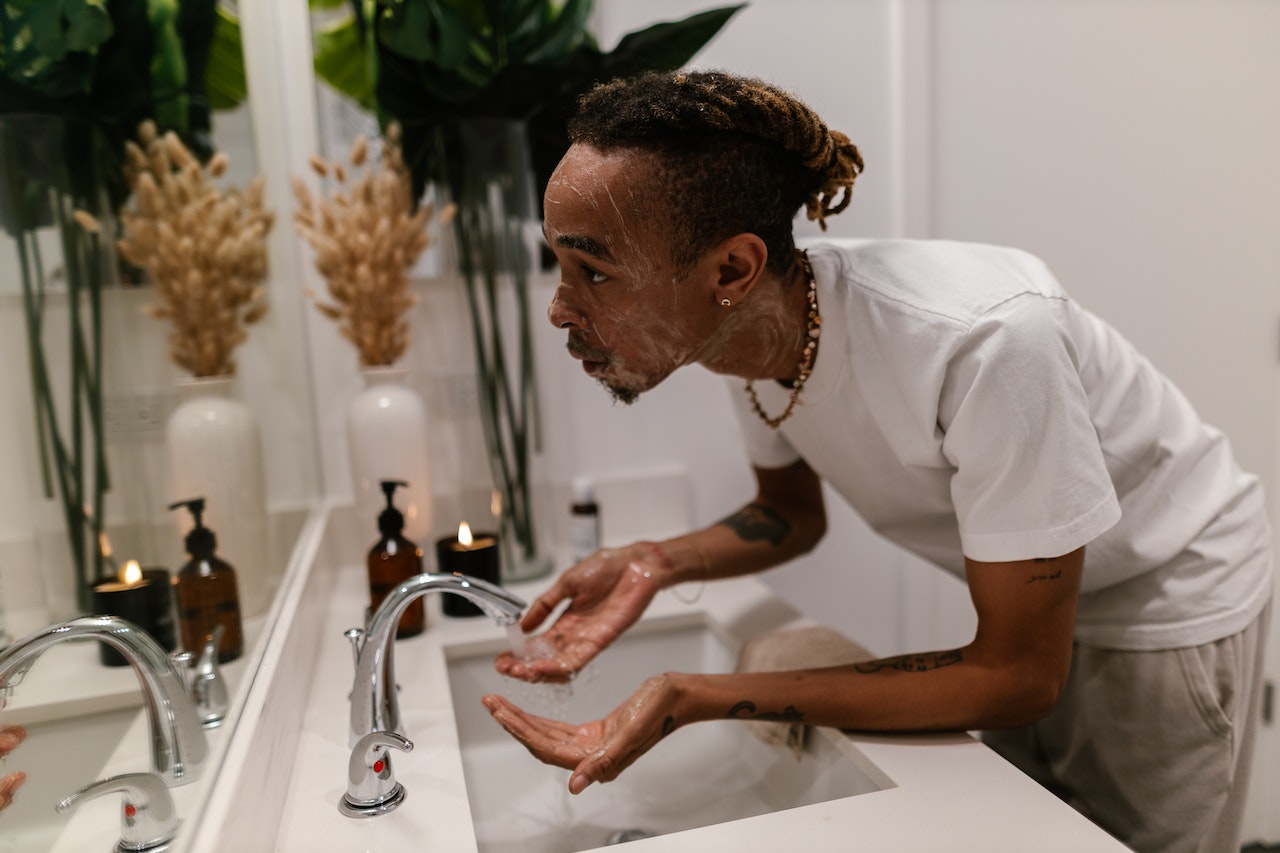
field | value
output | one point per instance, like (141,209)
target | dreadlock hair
(733,155)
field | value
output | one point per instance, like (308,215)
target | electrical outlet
(137,413)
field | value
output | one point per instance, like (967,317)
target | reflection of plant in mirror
(205,249)
(366,236)
(104,65)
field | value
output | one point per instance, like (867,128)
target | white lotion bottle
(584,520)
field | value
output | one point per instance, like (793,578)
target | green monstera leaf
(427,63)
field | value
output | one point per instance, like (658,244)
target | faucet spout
(373,695)
(178,745)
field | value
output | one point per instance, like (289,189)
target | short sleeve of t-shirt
(1030,479)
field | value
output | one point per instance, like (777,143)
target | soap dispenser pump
(392,560)
(207,593)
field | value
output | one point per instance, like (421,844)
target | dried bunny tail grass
(87,221)
(365,235)
(319,165)
(218,165)
(203,247)
(359,151)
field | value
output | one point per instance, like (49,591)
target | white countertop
(950,793)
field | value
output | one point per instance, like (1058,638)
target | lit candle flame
(131,573)
(464,535)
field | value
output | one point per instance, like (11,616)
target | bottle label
(584,536)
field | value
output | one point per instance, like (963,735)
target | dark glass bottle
(207,592)
(393,560)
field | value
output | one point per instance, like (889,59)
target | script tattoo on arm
(1048,576)
(911,663)
(755,521)
(746,710)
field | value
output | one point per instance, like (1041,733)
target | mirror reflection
(148,358)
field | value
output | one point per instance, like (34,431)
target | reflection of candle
(467,554)
(140,596)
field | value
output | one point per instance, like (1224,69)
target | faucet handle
(208,687)
(372,788)
(148,820)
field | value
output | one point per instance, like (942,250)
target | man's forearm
(931,691)
(754,538)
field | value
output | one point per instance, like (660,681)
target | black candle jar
(147,603)
(477,559)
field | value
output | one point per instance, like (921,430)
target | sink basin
(58,757)
(704,774)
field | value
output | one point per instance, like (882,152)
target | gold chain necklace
(812,330)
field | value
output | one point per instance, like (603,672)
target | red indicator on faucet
(378,765)
(130,810)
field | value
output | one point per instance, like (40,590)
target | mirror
(69,696)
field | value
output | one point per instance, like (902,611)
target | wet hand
(597,751)
(607,593)
(10,738)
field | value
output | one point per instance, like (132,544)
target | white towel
(790,648)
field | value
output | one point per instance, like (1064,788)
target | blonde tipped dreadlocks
(734,155)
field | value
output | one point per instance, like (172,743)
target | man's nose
(561,313)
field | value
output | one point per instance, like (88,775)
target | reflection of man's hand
(9,786)
(10,737)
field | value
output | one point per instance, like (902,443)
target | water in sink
(704,774)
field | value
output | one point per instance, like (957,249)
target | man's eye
(593,276)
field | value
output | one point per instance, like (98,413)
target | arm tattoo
(1046,577)
(756,521)
(912,663)
(746,710)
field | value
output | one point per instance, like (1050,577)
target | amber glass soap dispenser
(207,592)
(393,560)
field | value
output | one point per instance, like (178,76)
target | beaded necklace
(812,330)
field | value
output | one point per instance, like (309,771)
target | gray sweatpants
(1154,747)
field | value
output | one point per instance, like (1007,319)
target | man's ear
(741,262)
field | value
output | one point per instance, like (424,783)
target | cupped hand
(10,738)
(597,751)
(607,593)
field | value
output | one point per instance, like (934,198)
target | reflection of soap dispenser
(394,560)
(207,593)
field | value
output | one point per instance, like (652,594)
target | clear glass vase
(495,233)
(55,264)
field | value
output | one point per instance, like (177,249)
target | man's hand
(10,738)
(607,593)
(597,751)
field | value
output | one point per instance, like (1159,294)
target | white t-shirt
(964,405)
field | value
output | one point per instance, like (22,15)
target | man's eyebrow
(587,245)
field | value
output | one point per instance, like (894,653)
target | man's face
(630,319)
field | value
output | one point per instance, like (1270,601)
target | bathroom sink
(705,774)
(58,757)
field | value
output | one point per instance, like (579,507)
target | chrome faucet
(178,745)
(373,695)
